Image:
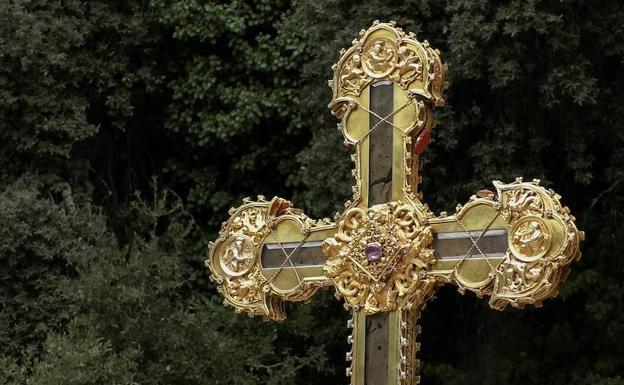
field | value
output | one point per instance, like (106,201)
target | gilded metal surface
(530,238)
(407,364)
(403,365)
(381,258)
(386,52)
(234,258)
(543,242)
(472,271)
(398,276)
(239,255)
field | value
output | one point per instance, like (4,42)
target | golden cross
(387,253)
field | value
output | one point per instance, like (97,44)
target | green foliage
(66,63)
(101,284)
(80,308)
(70,359)
(45,241)
(235,97)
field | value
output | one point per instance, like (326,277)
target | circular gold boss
(239,255)
(530,238)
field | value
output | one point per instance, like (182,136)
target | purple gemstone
(373,251)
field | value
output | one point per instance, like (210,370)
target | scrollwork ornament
(386,52)
(235,263)
(543,242)
(379,257)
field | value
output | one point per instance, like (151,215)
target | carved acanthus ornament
(379,257)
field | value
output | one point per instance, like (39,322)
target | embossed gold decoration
(398,275)
(543,242)
(390,257)
(234,259)
(530,238)
(239,255)
(386,52)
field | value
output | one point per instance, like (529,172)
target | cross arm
(268,252)
(515,246)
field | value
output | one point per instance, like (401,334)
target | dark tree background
(129,128)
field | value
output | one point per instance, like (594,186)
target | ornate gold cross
(387,253)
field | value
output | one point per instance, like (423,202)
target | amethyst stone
(373,251)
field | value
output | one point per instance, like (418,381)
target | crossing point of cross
(387,253)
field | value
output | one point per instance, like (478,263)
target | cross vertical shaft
(384,344)
(380,143)
(381,341)
(376,327)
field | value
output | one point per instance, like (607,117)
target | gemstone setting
(422,142)
(373,251)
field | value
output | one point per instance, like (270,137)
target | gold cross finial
(386,60)
(386,254)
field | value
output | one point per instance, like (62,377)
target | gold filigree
(378,257)
(234,259)
(543,242)
(386,52)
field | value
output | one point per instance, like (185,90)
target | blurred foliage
(129,128)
